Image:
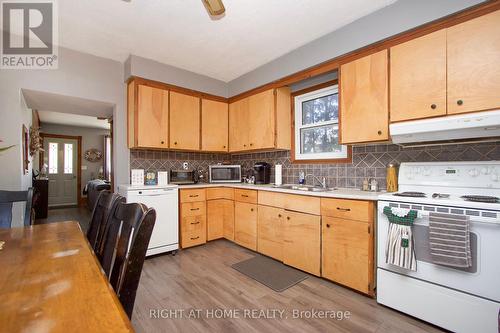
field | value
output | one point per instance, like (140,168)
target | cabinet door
(152,117)
(364,111)
(347,253)
(473,65)
(418,78)
(270,232)
(220,219)
(184,121)
(302,241)
(238,125)
(214,126)
(261,124)
(228,224)
(245,225)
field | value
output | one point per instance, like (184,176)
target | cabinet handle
(223,146)
(433,106)
(195,209)
(344,209)
(251,144)
(193,238)
(279,215)
(193,195)
(175,142)
(195,222)
(244,145)
(379,132)
(244,195)
(288,217)
(328,226)
(460,102)
(163,142)
(251,209)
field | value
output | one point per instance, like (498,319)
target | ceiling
(180,32)
(59,118)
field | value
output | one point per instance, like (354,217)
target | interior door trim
(79,161)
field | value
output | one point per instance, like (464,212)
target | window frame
(298,97)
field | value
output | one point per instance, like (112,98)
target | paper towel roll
(278,174)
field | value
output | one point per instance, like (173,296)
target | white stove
(460,300)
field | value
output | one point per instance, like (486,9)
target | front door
(61,159)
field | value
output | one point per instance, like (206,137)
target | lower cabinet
(302,241)
(193,224)
(245,224)
(220,219)
(270,231)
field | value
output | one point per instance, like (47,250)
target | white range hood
(471,126)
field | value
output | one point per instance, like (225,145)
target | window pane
(68,158)
(53,157)
(320,109)
(321,139)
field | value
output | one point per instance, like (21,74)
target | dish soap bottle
(302,177)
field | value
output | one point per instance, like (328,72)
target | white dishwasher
(164,200)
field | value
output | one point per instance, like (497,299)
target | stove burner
(480,198)
(410,194)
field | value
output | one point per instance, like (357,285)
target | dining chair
(7,199)
(103,209)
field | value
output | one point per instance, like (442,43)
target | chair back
(119,229)
(7,198)
(126,281)
(104,207)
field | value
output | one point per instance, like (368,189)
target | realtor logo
(29,34)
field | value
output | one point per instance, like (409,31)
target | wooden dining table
(51,281)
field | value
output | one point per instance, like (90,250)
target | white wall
(79,75)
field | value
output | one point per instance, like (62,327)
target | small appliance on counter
(183,177)
(224,173)
(262,173)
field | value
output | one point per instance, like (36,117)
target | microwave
(182,177)
(224,173)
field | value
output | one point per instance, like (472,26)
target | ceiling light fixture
(215,7)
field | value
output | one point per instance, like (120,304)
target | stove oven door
(480,280)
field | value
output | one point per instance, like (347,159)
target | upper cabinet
(418,78)
(214,126)
(184,121)
(261,121)
(364,109)
(147,116)
(474,64)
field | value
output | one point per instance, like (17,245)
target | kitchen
(335,188)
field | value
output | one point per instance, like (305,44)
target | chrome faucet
(322,182)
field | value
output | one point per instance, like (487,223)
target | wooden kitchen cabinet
(214,126)
(193,217)
(302,241)
(418,78)
(364,109)
(148,116)
(245,224)
(270,231)
(220,219)
(473,64)
(261,121)
(347,253)
(184,121)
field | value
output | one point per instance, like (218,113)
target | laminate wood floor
(80,214)
(201,278)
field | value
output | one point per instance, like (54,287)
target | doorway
(62,158)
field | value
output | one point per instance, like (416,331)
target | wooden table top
(50,281)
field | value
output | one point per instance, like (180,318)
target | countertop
(341,193)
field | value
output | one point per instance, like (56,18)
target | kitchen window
(317,126)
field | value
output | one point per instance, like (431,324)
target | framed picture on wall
(25,140)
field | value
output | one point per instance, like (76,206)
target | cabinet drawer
(249,196)
(193,195)
(348,209)
(193,209)
(298,203)
(193,223)
(220,193)
(193,238)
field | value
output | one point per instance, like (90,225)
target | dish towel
(449,240)
(400,249)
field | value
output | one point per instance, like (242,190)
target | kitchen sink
(305,188)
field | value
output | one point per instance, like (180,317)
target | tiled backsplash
(369,161)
